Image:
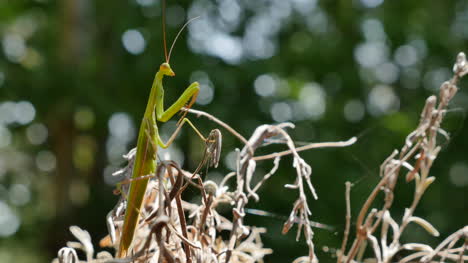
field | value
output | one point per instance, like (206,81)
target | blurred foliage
(75,76)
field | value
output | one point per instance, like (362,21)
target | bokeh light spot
(305,7)
(228,48)
(406,56)
(387,73)
(9,221)
(84,118)
(79,192)
(32,59)
(19,194)
(459,174)
(265,85)
(36,133)
(229,11)
(122,131)
(281,112)
(133,41)
(5,137)
(371,54)
(84,152)
(7,112)
(46,161)
(206,94)
(373,30)
(14,47)
(382,100)
(121,126)
(312,100)
(371,3)
(115,148)
(145,3)
(24,112)
(354,110)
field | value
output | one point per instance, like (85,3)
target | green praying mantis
(149,141)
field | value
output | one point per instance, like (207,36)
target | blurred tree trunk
(71,50)
(72,44)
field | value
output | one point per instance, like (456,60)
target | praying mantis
(149,140)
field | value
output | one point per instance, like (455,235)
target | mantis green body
(148,141)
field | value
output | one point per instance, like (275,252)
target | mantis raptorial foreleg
(190,93)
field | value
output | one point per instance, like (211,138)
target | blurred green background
(75,76)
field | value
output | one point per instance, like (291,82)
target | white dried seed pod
(461,64)
(428,182)
(210,187)
(85,238)
(426,225)
(417,247)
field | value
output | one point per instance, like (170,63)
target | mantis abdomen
(146,152)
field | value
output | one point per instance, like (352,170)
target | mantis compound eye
(166,69)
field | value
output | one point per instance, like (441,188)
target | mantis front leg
(187,98)
(190,93)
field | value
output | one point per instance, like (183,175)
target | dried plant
(176,230)
(167,234)
(416,158)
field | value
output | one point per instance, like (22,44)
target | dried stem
(348,221)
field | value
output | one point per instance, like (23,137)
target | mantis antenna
(177,36)
(164,28)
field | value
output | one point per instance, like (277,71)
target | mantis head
(166,70)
